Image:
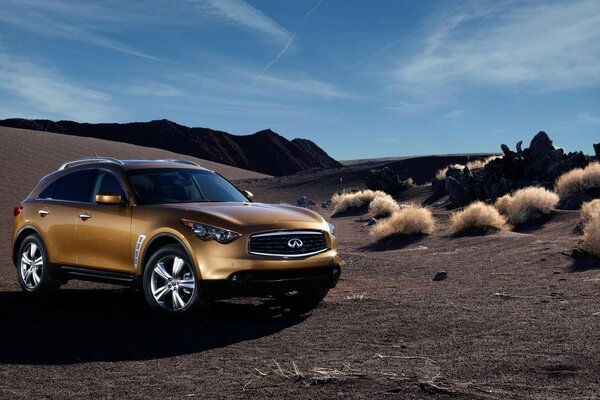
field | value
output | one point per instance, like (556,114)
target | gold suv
(182,232)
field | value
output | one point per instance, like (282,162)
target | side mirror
(248,193)
(109,198)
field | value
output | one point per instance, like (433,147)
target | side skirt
(95,275)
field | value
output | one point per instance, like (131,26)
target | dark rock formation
(305,202)
(387,180)
(538,165)
(264,151)
(597,151)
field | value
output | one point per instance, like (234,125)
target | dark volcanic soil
(515,319)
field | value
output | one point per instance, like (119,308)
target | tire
(300,302)
(33,267)
(170,283)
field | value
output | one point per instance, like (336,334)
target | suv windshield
(173,185)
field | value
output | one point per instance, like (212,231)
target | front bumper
(272,282)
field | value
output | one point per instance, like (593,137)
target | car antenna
(95,154)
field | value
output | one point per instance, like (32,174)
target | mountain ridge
(264,151)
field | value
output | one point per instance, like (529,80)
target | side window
(106,182)
(75,186)
(47,193)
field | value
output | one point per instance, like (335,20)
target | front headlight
(207,232)
(331,229)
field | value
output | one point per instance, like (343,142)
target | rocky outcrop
(597,151)
(538,165)
(387,180)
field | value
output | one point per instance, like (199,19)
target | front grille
(281,244)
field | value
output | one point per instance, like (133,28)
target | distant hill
(264,151)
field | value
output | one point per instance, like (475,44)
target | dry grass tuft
(502,204)
(480,164)
(589,209)
(477,216)
(527,204)
(407,221)
(343,202)
(383,206)
(472,165)
(441,174)
(590,239)
(579,179)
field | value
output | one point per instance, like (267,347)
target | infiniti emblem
(295,243)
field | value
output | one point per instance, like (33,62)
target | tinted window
(48,192)
(106,182)
(75,186)
(172,185)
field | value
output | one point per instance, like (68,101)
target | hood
(251,213)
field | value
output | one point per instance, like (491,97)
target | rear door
(103,230)
(58,208)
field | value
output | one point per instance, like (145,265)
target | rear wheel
(170,284)
(33,267)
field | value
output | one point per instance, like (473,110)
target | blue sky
(360,78)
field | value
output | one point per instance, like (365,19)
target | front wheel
(33,267)
(170,284)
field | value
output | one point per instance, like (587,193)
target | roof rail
(90,160)
(187,162)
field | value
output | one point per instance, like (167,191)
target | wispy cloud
(48,95)
(69,21)
(154,89)
(304,86)
(588,118)
(546,46)
(455,113)
(242,13)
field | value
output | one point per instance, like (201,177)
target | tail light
(17,210)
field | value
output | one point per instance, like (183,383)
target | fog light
(235,280)
(336,272)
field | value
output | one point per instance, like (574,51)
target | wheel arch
(24,232)
(160,240)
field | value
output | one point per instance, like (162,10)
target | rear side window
(74,187)
(47,193)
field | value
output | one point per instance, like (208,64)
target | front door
(103,231)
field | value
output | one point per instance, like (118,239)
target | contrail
(389,46)
(289,42)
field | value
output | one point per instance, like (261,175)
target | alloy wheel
(172,283)
(32,265)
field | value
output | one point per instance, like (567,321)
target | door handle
(43,212)
(84,216)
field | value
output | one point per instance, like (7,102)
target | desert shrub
(589,209)
(502,204)
(342,202)
(472,165)
(406,221)
(578,180)
(477,215)
(590,239)
(480,164)
(441,174)
(383,206)
(527,204)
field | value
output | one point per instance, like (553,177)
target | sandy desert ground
(515,319)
